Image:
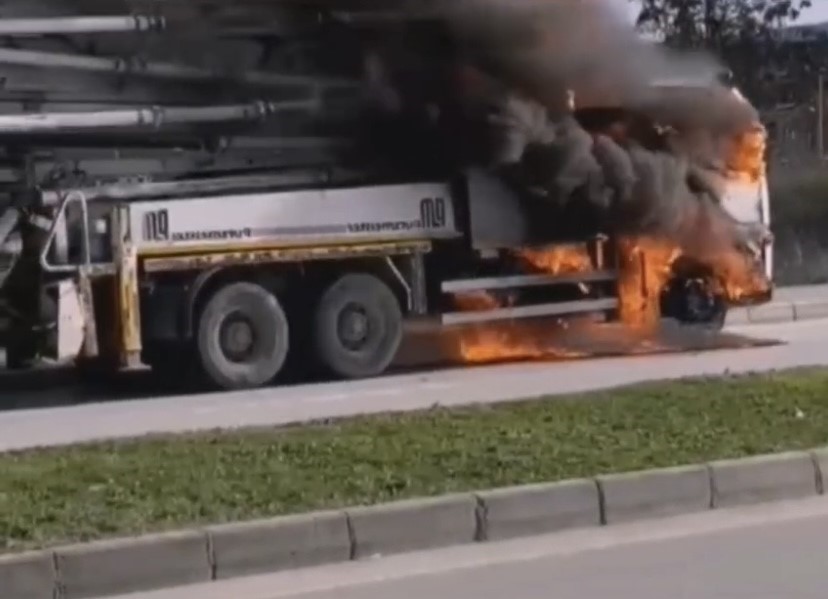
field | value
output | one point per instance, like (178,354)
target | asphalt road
(806,344)
(764,552)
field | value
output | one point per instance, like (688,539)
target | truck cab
(742,186)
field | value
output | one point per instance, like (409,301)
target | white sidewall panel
(397,212)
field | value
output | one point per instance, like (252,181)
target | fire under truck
(238,268)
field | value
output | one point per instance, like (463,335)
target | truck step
(482,284)
(532,311)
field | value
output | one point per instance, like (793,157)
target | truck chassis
(235,284)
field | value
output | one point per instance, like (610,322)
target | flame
(645,267)
(511,341)
(476,301)
(557,260)
(516,341)
(745,158)
(738,278)
(646,264)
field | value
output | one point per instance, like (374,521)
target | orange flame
(477,301)
(738,278)
(745,158)
(557,260)
(645,267)
(513,341)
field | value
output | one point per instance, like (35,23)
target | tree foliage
(739,32)
(716,23)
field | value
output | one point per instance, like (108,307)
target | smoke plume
(516,69)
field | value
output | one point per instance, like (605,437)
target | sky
(818,13)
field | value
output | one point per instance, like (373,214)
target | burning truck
(291,182)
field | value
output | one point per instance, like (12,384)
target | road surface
(806,345)
(772,551)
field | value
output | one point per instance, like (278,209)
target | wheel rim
(353,327)
(237,338)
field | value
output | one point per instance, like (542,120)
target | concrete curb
(777,312)
(225,551)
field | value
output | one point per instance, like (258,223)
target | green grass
(83,492)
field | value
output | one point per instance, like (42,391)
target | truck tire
(692,305)
(242,338)
(712,317)
(357,327)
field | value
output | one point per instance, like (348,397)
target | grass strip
(53,496)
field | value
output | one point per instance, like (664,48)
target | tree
(739,32)
(715,23)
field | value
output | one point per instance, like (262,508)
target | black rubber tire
(270,346)
(717,320)
(384,327)
(711,317)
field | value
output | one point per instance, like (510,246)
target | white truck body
(288,218)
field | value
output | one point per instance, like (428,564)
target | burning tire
(357,327)
(242,336)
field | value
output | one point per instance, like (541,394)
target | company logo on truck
(432,216)
(157,228)
(433,213)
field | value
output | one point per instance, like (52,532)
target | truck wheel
(242,337)
(692,304)
(357,327)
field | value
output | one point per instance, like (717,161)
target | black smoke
(565,101)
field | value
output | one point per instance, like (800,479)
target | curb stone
(539,509)
(810,310)
(248,548)
(124,566)
(820,457)
(28,575)
(791,475)
(777,312)
(414,524)
(655,493)
(157,561)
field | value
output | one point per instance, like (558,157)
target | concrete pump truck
(152,257)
